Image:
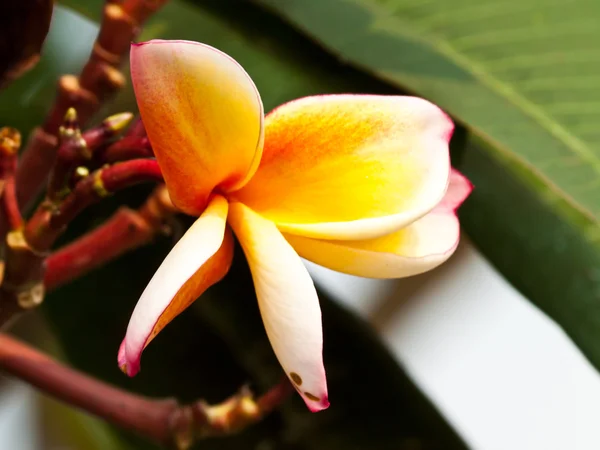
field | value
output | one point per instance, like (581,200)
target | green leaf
(219,343)
(523,76)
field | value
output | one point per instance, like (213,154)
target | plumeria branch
(27,247)
(10,216)
(163,421)
(98,81)
(130,147)
(76,150)
(126,230)
(49,220)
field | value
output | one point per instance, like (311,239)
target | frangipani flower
(361,184)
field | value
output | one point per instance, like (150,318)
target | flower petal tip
(128,367)
(460,187)
(317,404)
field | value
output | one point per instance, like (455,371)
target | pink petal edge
(459,188)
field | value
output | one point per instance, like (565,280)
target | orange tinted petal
(210,273)
(203,115)
(350,166)
(199,259)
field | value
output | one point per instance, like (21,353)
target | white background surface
(504,375)
(18,419)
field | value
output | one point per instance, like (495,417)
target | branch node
(10,141)
(162,421)
(31,296)
(70,124)
(98,185)
(181,424)
(22,288)
(17,244)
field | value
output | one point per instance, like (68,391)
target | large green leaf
(220,343)
(524,77)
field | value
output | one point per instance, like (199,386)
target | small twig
(27,248)
(130,147)
(10,208)
(136,129)
(133,144)
(124,231)
(47,223)
(10,142)
(22,288)
(162,421)
(76,149)
(145,416)
(98,81)
(10,216)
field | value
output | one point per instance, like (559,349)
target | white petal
(288,303)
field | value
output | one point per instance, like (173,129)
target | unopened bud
(117,122)
(81,172)
(70,125)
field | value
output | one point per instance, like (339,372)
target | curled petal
(199,259)
(459,189)
(288,303)
(203,115)
(350,166)
(422,246)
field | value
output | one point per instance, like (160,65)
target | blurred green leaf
(219,343)
(523,77)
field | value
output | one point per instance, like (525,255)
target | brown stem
(26,249)
(22,288)
(129,147)
(124,231)
(98,81)
(10,208)
(76,149)
(10,142)
(163,421)
(34,165)
(136,129)
(46,225)
(147,417)
(10,216)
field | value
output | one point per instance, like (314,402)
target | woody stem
(163,421)
(97,82)
(28,247)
